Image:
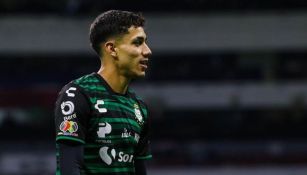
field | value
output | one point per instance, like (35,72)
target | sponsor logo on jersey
(69,126)
(99,107)
(137,137)
(126,134)
(73,116)
(125,157)
(104,155)
(138,114)
(104,128)
(108,156)
(69,93)
(67,107)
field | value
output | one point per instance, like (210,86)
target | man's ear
(110,48)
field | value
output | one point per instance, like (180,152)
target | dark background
(226,84)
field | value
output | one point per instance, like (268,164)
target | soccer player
(101,125)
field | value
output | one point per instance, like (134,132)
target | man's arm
(71,158)
(71,112)
(140,167)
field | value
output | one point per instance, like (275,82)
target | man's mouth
(144,63)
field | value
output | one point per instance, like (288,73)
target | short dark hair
(112,23)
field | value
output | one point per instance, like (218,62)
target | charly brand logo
(104,128)
(99,107)
(109,156)
(69,126)
(67,107)
(69,93)
(138,114)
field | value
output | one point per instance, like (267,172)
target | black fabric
(72,110)
(71,158)
(140,167)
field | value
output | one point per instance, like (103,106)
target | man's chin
(141,75)
(138,75)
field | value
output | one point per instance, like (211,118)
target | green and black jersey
(113,127)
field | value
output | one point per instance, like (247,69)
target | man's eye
(137,43)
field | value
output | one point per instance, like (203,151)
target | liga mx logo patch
(69,126)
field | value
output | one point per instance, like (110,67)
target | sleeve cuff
(70,139)
(143,157)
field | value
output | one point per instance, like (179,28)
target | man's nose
(146,51)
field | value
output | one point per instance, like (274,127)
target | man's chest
(115,120)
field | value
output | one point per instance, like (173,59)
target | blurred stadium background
(226,86)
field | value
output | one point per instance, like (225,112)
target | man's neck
(117,82)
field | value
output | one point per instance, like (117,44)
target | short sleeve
(71,113)
(143,147)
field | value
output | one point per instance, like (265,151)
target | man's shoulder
(86,83)
(86,79)
(89,82)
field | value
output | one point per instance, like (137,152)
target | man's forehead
(135,32)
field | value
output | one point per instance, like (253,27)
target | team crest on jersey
(138,115)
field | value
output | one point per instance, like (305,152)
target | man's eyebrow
(140,38)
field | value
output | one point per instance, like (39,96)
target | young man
(101,126)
